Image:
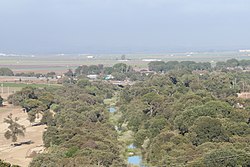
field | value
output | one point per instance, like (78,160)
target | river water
(135,159)
(112,109)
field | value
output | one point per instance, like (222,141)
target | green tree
(157,66)
(83,83)
(6,164)
(122,68)
(14,128)
(69,73)
(232,63)
(6,72)
(207,129)
(227,157)
(123,57)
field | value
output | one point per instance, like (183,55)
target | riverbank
(130,154)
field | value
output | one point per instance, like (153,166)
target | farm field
(61,63)
(8,86)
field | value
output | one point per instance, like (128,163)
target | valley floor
(19,155)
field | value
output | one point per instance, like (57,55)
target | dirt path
(18,155)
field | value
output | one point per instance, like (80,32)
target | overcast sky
(120,26)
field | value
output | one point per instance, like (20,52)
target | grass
(22,85)
(110,102)
(11,88)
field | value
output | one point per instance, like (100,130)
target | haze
(123,26)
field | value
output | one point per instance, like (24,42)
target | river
(135,159)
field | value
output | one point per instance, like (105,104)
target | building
(90,57)
(244,51)
(109,77)
(94,76)
(149,60)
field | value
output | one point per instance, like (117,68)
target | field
(10,85)
(20,155)
(60,63)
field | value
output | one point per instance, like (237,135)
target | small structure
(109,77)
(244,95)
(238,105)
(200,72)
(58,77)
(123,60)
(149,60)
(244,50)
(90,57)
(147,72)
(93,76)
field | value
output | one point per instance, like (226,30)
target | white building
(149,60)
(244,51)
(90,57)
(94,76)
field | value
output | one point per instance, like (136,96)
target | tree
(83,82)
(1,101)
(207,129)
(14,128)
(69,73)
(122,68)
(108,70)
(157,66)
(94,69)
(227,157)
(123,57)
(34,107)
(119,76)
(232,63)
(6,164)
(51,74)
(6,72)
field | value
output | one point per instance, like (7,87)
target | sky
(123,26)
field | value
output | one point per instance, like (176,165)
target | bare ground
(18,155)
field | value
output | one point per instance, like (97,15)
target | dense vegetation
(186,114)
(185,119)
(79,133)
(6,72)
(6,164)
(119,71)
(160,66)
(32,74)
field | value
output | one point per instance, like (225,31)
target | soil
(18,155)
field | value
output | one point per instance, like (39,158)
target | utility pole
(2,88)
(234,83)
(243,86)
(8,91)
